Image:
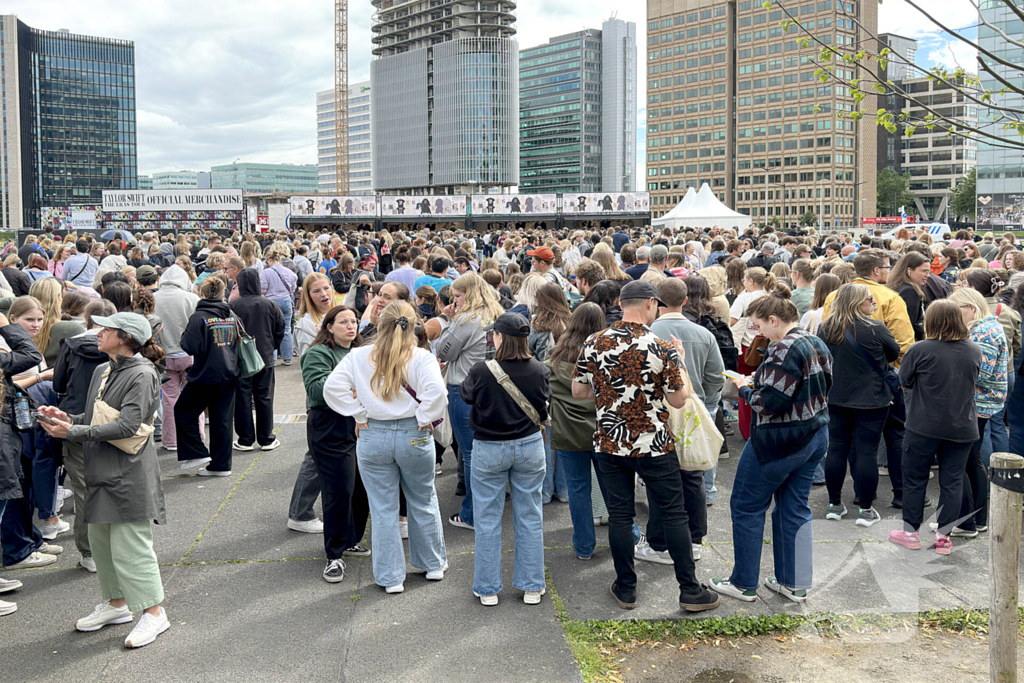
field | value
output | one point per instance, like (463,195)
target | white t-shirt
(739,310)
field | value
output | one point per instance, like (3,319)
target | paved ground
(246,600)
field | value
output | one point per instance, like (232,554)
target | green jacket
(573,420)
(317,364)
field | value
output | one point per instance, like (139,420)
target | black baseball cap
(640,289)
(512,324)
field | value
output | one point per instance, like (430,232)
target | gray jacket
(120,487)
(175,304)
(703,358)
(462,345)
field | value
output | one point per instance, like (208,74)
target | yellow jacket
(890,309)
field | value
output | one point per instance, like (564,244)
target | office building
(1000,176)
(145,182)
(360,153)
(68,110)
(264,178)
(732,101)
(577,112)
(445,96)
(180,180)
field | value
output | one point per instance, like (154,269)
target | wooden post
(1004,529)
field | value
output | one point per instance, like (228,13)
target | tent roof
(702,208)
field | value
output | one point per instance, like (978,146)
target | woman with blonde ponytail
(394,392)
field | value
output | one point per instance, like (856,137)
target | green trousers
(126,564)
(74,463)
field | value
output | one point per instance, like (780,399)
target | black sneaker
(357,551)
(897,503)
(460,490)
(705,600)
(625,602)
(334,572)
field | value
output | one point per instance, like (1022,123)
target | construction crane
(341,96)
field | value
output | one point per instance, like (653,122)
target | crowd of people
(550,363)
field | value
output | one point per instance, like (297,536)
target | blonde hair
(306,304)
(24,305)
(965,296)
(845,312)
(604,255)
(760,277)
(527,293)
(718,280)
(49,294)
(478,298)
(392,349)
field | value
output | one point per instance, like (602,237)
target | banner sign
(419,205)
(888,220)
(83,220)
(606,202)
(172,200)
(64,217)
(513,204)
(333,206)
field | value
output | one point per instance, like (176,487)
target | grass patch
(596,663)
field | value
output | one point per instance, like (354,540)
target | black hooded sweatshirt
(78,359)
(261,317)
(211,338)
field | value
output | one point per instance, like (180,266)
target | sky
(219,80)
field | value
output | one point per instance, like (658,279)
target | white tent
(702,210)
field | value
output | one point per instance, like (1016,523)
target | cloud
(952,54)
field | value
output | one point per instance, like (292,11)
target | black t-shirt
(495,416)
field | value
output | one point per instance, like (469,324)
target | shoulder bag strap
(103,384)
(508,385)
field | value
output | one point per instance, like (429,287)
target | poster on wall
(172,200)
(513,204)
(419,206)
(63,217)
(1000,209)
(360,206)
(606,202)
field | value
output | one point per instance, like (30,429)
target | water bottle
(22,412)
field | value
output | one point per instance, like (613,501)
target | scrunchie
(403,322)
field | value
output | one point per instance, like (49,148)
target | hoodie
(175,304)
(261,317)
(211,338)
(79,357)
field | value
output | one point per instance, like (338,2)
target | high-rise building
(145,182)
(1000,182)
(68,112)
(732,101)
(935,160)
(180,180)
(445,96)
(264,178)
(360,153)
(577,112)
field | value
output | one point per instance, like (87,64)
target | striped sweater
(790,395)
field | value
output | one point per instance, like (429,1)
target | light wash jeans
(287,346)
(393,453)
(710,490)
(519,463)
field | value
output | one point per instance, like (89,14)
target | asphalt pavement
(246,600)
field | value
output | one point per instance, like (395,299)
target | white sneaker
(103,615)
(437,470)
(437,574)
(487,600)
(209,473)
(533,597)
(7,585)
(239,447)
(698,549)
(34,560)
(7,608)
(88,564)
(399,588)
(50,549)
(195,462)
(64,493)
(403,528)
(148,628)
(644,551)
(172,449)
(52,531)
(272,445)
(311,526)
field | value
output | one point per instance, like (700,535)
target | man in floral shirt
(634,377)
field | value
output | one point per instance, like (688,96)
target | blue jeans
(996,439)
(287,346)
(520,463)
(458,413)
(788,481)
(37,445)
(1015,417)
(393,453)
(554,475)
(576,465)
(710,490)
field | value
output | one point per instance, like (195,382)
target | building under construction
(444,96)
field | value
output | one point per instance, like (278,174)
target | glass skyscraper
(264,178)
(68,120)
(1000,170)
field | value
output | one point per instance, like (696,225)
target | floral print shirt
(630,371)
(990,390)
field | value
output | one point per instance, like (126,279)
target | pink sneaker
(943,544)
(906,539)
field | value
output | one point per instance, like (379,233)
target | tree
(808,219)
(893,191)
(964,196)
(775,222)
(999,124)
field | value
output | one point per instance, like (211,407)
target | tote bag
(250,362)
